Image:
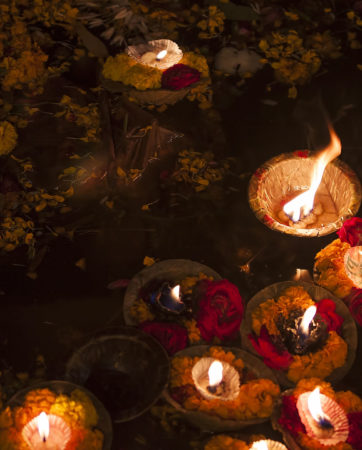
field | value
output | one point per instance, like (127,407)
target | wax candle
(46,432)
(216,379)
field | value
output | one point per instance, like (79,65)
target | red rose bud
(351,231)
(220,311)
(171,336)
(179,76)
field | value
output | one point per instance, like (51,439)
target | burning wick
(43,426)
(315,409)
(215,374)
(175,293)
(306,321)
(303,204)
(161,55)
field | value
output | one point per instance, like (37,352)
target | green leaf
(91,42)
(237,12)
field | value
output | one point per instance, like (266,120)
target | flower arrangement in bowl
(330,267)
(252,399)
(148,83)
(343,409)
(205,309)
(277,328)
(79,415)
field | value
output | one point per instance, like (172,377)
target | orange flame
(302,204)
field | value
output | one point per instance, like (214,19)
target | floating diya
(305,193)
(323,418)
(46,432)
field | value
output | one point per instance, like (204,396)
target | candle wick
(44,439)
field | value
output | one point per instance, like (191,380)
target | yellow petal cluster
(15,231)
(129,72)
(140,312)
(329,263)
(8,137)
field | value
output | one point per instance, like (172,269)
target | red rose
(351,231)
(179,76)
(289,418)
(326,309)
(220,311)
(355,429)
(273,357)
(354,302)
(171,336)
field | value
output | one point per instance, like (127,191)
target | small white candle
(161,55)
(46,433)
(268,444)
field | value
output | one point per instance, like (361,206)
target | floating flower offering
(314,416)
(180,302)
(239,392)
(305,193)
(46,420)
(300,332)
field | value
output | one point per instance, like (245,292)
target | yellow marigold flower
(126,70)
(349,401)
(193,331)
(329,263)
(321,363)
(292,92)
(8,137)
(291,16)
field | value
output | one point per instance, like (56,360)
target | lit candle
(169,299)
(315,409)
(216,379)
(161,55)
(215,376)
(306,321)
(46,433)
(323,418)
(268,444)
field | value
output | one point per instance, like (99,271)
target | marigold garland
(76,409)
(255,400)
(320,363)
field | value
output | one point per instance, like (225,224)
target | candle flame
(302,204)
(260,445)
(315,407)
(43,426)
(161,55)
(215,373)
(307,319)
(175,293)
